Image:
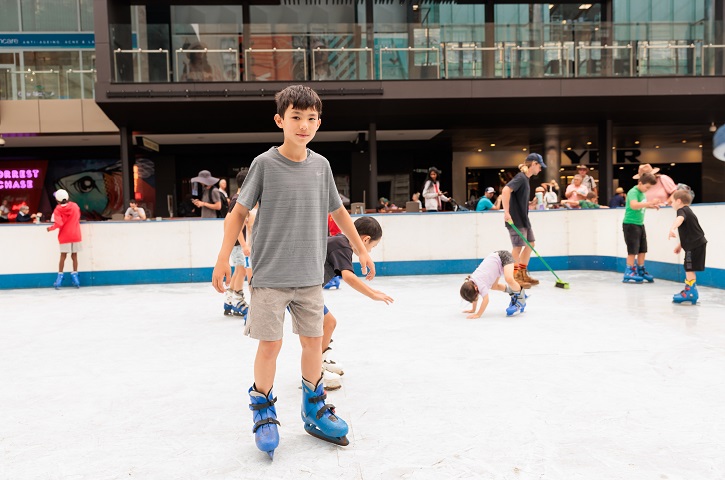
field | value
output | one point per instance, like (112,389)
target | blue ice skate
(631,275)
(75,279)
(333,283)
(518,303)
(240,309)
(688,294)
(264,415)
(319,417)
(228,309)
(644,274)
(58,281)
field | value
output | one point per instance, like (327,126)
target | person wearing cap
(210,201)
(515,201)
(661,192)
(67,220)
(432,191)
(485,203)
(619,199)
(587,180)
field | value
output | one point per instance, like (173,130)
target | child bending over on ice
(486,277)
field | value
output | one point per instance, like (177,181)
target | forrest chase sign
(18,179)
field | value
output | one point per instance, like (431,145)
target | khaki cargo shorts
(267,308)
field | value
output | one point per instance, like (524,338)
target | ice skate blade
(312,430)
(271,454)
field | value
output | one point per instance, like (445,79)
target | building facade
(140,96)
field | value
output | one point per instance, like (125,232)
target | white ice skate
(331,380)
(329,365)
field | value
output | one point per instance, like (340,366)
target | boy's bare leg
(640,259)
(690,276)
(62,262)
(630,260)
(516,253)
(237,282)
(508,275)
(74,257)
(311,358)
(328,326)
(265,365)
(526,254)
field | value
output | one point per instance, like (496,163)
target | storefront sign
(20,179)
(47,40)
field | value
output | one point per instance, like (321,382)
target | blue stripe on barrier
(711,277)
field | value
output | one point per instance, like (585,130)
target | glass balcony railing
(358,52)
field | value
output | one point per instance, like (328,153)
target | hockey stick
(559,282)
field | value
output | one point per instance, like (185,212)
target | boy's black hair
(370,227)
(646,178)
(683,196)
(468,291)
(241,176)
(300,97)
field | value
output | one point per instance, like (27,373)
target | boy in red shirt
(67,218)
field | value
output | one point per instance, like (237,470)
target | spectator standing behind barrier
(515,203)
(587,180)
(551,197)
(619,199)
(416,198)
(661,192)
(134,212)
(485,203)
(210,200)
(576,189)
(590,203)
(432,191)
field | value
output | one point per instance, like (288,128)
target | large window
(9,20)
(50,15)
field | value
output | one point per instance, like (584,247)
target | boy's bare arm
(343,220)
(505,199)
(675,225)
(352,280)
(233,224)
(635,205)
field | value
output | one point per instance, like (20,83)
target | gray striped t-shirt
(289,238)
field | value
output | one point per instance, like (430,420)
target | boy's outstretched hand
(381,297)
(366,265)
(222,271)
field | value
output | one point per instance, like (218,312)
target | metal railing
(211,74)
(138,71)
(516,62)
(274,51)
(604,48)
(709,60)
(413,51)
(341,51)
(644,56)
(500,50)
(38,90)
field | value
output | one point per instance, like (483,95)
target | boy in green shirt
(635,235)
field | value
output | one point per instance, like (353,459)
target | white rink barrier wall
(173,251)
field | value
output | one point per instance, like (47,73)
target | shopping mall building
(113,99)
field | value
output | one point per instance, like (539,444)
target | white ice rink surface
(603,381)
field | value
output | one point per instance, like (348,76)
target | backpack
(222,212)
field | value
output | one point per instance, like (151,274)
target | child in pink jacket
(67,219)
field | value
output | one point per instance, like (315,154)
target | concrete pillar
(552,154)
(606,160)
(126,161)
(372,194)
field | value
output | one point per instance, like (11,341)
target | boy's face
(535,168)
(299,126)
(677,203)
(643,187)
(369,243)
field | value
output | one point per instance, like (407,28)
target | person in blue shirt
(619,199)
(485,203)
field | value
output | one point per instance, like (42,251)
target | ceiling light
(591,168)
(524,149)
(700,145)
(713,127)
(672,164)
(684,141)
(493,144)
(479,149)
(614,148)
(621,168)
(415,8)
(589,143)
(636,142)
(585,6)
(502,170)
(568,148)
(551,5)
(561,169)
(657,146)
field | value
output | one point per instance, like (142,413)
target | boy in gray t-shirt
(295,190)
